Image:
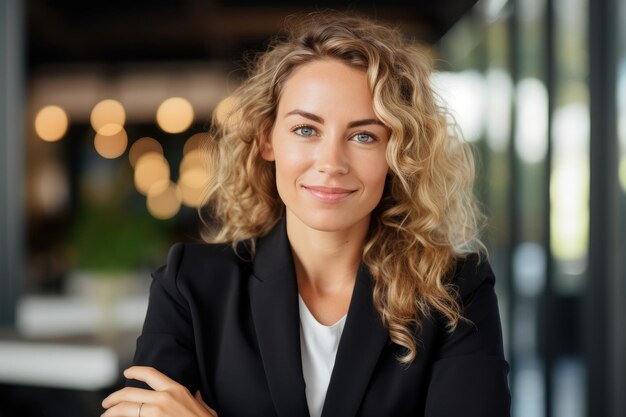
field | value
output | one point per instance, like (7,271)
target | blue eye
(363,138)
(305,131)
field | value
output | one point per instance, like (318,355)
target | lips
(328,194)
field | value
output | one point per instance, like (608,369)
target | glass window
(534,182)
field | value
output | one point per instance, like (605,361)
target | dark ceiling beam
(195,29)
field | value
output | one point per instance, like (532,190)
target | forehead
(323,83)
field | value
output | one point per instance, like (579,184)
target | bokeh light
(224,112)
(142,146)
(164,203)
(569,183)
(151,170)
(194,177)
(192,197)
(466,99)
(175,115)
(194,170)
(51,123)
(195,142)
(531,134)
(51,186)
(108,117)
(112,146)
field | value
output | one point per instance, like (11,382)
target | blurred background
(103,105)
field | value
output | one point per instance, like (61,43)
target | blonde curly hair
(427,217)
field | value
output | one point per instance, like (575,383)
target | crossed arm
(166,399)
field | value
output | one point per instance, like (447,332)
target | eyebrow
(319,119)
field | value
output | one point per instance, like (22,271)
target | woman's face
(328,147)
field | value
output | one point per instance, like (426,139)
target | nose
(331,156)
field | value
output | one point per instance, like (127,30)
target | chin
(332,222)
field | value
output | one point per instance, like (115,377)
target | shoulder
(479,330)
(471,272)
(469,359)
(193,264)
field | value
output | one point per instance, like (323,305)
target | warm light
(164,203)
(175,115)
(197,141)
(151,170)
(192,197)
(193,170)
(51,186)
(143,146)
(224,113)
(113,146)
(194,177)
(108,117)
(51,123)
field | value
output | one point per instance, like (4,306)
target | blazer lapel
(362,341)
(274,304)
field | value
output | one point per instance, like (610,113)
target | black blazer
(230,328)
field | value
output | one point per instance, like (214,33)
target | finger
(125,409)
(128,394)
(155,379)
(201,401)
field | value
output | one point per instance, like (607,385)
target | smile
(328,194)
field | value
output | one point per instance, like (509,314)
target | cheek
(293,158)
(373,172)
(378,181)
(291,163)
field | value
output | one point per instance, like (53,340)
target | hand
(169,398)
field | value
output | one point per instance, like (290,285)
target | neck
(326,262)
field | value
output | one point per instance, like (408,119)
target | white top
(318,346)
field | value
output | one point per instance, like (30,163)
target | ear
(267,151)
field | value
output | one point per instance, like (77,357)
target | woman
(345,277)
